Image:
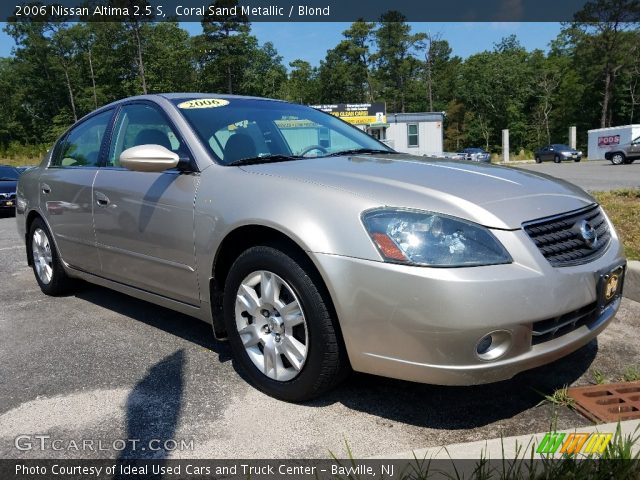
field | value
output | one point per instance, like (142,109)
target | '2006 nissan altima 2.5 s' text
(316,249)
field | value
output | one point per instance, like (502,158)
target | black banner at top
(294,10)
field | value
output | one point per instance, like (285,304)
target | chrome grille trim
(559,242)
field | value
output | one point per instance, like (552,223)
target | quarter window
(81,147)
(412,135)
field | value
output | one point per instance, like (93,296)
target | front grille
(545,330)
(560,241)
(7,196)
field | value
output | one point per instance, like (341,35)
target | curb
(510,447)
(632,281)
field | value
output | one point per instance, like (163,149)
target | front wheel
(556,159)
(577,159)
(618,158)
(280,326)
(45,260)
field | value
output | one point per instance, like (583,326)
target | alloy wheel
(42,257)
(272,325)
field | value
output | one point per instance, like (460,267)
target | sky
(310,41)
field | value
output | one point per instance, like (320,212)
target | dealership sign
(608,140)
(356,113)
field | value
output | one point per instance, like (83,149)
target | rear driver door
(66,191)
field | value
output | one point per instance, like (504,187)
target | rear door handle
(101,199)
(46,189)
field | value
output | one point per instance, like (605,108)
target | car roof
(176,96)
(193,95)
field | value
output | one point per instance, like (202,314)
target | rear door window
(81,146)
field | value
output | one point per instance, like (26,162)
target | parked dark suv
(558,152)
(625,153)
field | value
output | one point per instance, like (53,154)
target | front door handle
(101,199)
(46,189)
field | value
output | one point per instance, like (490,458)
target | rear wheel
(618,158)
(538,160)
(46,263)
(280,328)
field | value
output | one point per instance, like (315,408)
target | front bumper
(423,324)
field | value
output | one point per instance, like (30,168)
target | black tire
(556,159)
(60,283)
(618,158)
(326,363)
(538,159)
(577,159)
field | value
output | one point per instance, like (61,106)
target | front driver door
(144,221)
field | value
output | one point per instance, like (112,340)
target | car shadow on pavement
(153,411)
(431,406)
(453,408)
(169,321)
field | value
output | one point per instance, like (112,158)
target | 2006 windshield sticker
(204,103)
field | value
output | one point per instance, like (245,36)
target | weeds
(597,377)
(631,374)
(559,398)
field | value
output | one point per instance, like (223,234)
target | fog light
(493,345)
(484,345)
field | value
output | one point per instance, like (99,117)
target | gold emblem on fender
(611,287)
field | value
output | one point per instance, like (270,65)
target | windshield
(560,146)
(8,174)
(236,129)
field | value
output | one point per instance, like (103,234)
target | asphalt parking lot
(593,176)
(101,366)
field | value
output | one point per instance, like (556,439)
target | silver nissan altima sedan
(315,249)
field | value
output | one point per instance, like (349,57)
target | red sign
(608,140)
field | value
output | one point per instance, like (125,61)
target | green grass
(623,208)
(631,374)
(559,398)
(597,377)
(19,161)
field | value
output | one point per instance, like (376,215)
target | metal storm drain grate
(608,403)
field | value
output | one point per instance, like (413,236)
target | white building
(414,133)
(602,140)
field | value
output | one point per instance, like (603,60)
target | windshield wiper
(263,159)
(356,151)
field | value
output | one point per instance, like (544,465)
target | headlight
(430,239)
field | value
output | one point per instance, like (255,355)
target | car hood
(8,186)
(494,196)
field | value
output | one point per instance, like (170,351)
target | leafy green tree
(395,63)
(303,83)
(225,45)
(265,75)
(601,34)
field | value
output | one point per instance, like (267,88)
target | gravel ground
(101,366)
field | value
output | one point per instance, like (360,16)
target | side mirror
(148,158)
